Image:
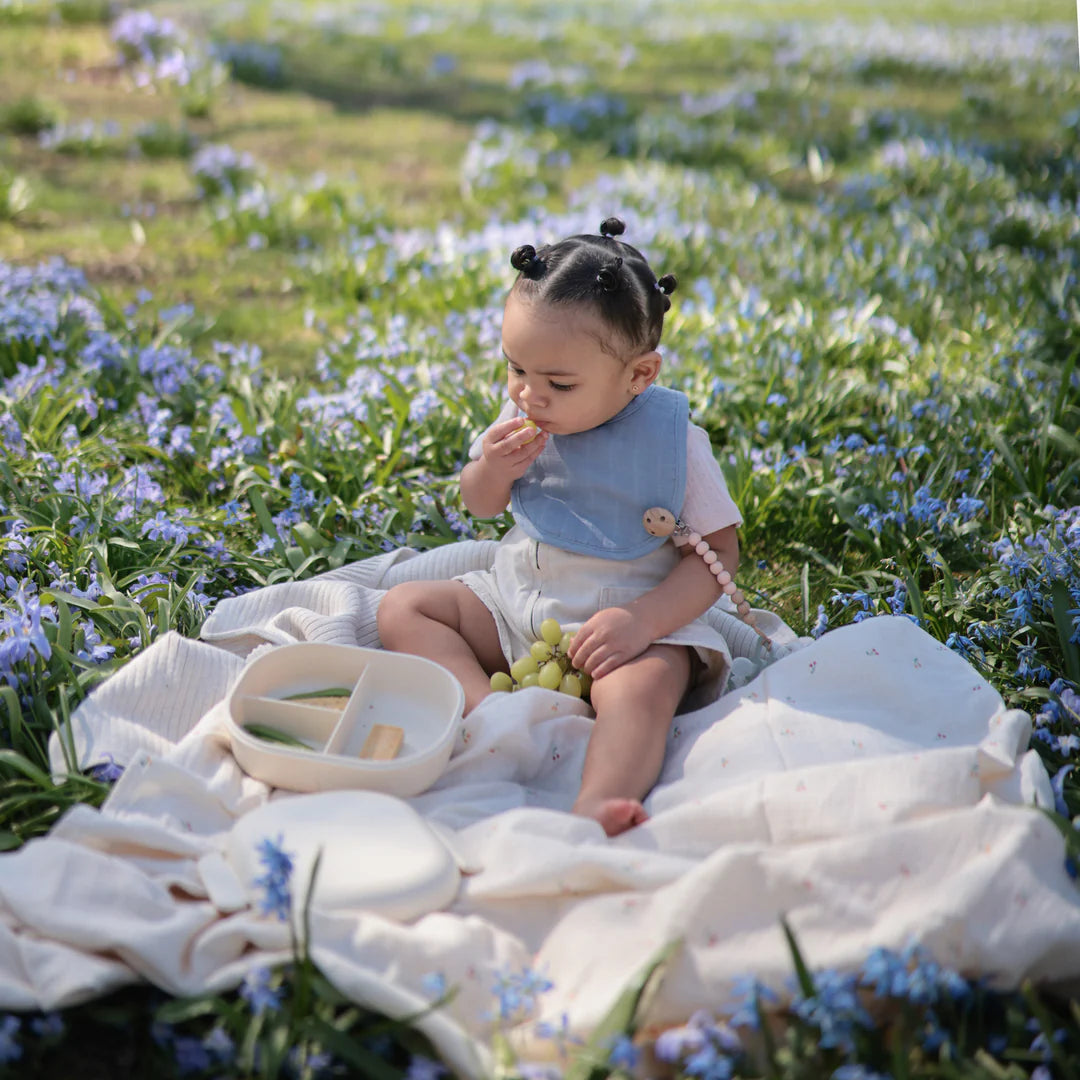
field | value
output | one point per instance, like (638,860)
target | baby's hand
(511,446)
(608,640)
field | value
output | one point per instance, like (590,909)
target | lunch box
(415,702)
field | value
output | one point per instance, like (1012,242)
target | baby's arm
(617,634)
(509,448)
(690,588)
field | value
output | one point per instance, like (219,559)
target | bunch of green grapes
(547,665)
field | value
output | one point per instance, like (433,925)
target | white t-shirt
(707,505)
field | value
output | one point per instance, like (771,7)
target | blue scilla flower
(22,636)
(275,883)
(747,992)
(10,1048)
(872,515)
(709,1063)
(107,772)
(855,1071)
(517,992)
(1070,702)
(162,527)
(219,1045)
(258,993)
(886,971)
(707,1048)
(190,1054)
(49,1026)
(926,509)
(834,1009)
(423,1068)
(968,507)
(299,497)
(234,513)
(1057,782)
(623,1053)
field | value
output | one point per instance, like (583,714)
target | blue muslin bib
(587,492)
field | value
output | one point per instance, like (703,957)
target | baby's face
(557,373)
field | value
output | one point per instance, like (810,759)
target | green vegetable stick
(331,691)
(272,734)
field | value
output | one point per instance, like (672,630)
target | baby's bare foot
(615,815)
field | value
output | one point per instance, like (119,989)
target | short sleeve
(707,505)
(476,450)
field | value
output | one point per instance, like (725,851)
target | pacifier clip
(661,522)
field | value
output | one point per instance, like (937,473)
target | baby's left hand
(608,640)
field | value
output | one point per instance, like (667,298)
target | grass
(876,242)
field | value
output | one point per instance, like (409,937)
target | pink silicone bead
(717,569)
(744,608)
(695,539)
(729,586)
(723,577)
(737,597)
(710,557)
(701,547)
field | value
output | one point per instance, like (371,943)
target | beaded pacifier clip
(661,522)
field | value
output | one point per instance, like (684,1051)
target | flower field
(252,265)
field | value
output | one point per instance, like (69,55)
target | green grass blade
(623,1017)
(1059,594)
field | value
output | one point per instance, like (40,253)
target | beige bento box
(416,700)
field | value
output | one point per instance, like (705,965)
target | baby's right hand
(511,446)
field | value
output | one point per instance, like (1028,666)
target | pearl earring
(634,388)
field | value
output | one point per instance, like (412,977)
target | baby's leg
(444,621)
(634,705)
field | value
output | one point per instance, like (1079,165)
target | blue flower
(190,1054)
(10,1050)
(517,992)
(49,1026)
(858,1072)
(258,993)
(623,1053)
(423,1068)
(219,1044)
(107,772)
(275,883)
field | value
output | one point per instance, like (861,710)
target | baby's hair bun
(612,226)
(524,259)
(607,277)
(667,283)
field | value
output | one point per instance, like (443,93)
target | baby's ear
(645,368)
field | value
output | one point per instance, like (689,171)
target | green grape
(501,681)
(524,665)
(532,679)
(551,631)
(541,651)
(570,684)
(564,642)
(550,675)
(586,683)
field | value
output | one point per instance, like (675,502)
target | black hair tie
(607,277)
(524,259)
(612,226)
(666,284)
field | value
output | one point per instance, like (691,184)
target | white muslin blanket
(870,787)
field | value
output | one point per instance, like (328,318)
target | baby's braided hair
(606,275)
